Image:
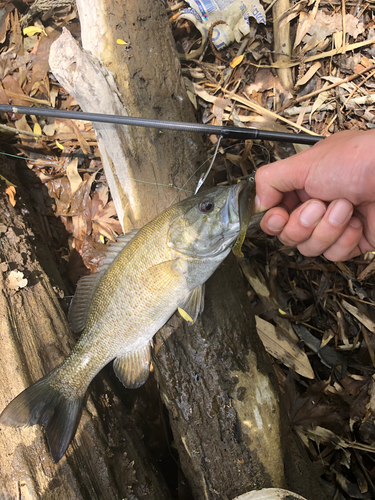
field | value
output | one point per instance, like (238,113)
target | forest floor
(316,318)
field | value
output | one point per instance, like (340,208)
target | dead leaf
(309,74)
(236,61)
(8,183)
(11,192)
(325,25)
(361,317)
(304,24)
(283,349)
(102,213)
(328,356)
(13,90)
(33,30)
(39,58)
(74,178)
(37,129)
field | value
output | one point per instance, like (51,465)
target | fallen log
(105,461)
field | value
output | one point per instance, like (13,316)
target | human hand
(323,197)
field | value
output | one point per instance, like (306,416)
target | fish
(144,278)
(246,212)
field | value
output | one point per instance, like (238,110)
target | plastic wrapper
(235,14)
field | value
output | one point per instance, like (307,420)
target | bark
(228,423)
(141,78)
(107,459)
(230,427)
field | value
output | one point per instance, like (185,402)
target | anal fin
(192,304)
(133,368)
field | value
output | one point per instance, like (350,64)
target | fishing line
(204,176)
(171,186)
(49,296)
(209,158)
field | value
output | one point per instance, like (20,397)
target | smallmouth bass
(146,276)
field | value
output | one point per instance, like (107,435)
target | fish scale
(144,279)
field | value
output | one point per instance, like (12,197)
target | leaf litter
(315,318)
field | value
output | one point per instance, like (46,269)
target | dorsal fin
(87,285)
(133,368)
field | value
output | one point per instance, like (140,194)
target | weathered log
(230,427)
(142,78)
(105,461)
(147,81)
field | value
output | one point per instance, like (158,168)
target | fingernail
(340,212)
(257,203)
(312,213)
(276,223)
(355,222)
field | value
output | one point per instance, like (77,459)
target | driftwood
(229,426)
(107,459)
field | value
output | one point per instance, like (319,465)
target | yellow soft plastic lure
(246,211)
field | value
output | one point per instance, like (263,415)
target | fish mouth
(233,205)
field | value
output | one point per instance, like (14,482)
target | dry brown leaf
(322,435)
(319,101)
(39,58)
(283,349)
(11,192)
(5,22)
(361,317)
(326,24)
(304,24)
(309,74)
(74,178)
(102,213)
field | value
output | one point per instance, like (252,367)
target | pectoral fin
(133,368)
(192,305)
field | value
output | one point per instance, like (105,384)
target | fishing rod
(226,132)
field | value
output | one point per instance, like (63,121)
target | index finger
(283,176)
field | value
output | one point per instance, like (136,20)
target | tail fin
(43,404)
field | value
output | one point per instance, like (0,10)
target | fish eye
(206,206)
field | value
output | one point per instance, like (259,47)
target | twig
(329,87)
(343,12)
(240,51)
(270,6)
(11,94)
(356,88)
(316,57)
(282,42)
(174,7)
(6,128)
(266,112)
(214,50)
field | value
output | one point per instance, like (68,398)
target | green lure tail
(246,211)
